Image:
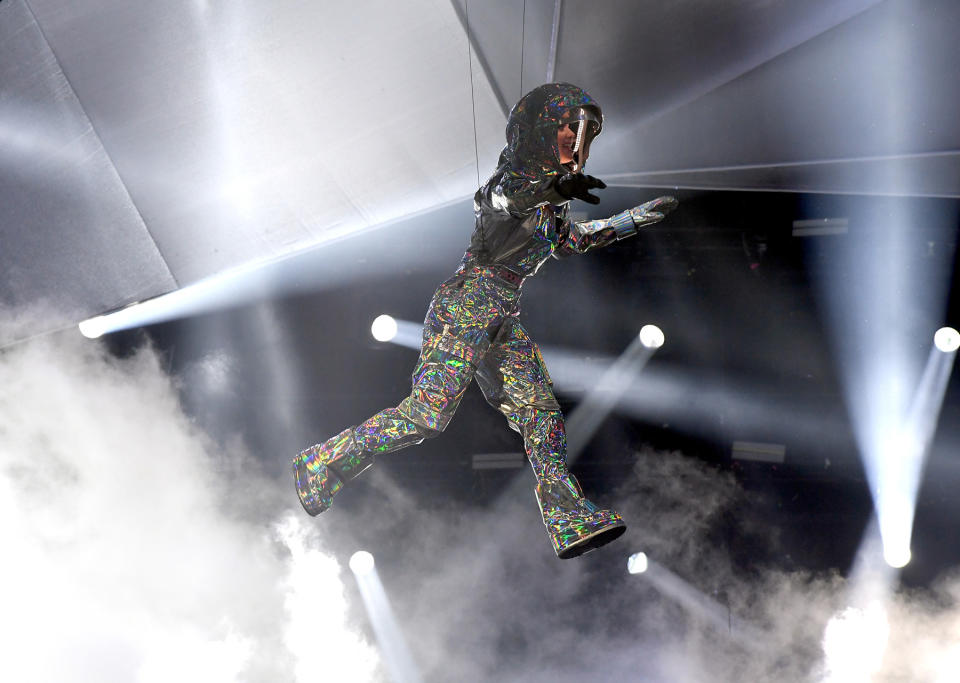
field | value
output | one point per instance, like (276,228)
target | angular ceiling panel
(246,131)
(877,93)
(170,142)
(71,240)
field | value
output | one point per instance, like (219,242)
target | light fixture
(947,339)
(94,327)
(637,563)
(384,328)
(361,563)
(651,336)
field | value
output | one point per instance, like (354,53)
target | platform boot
(575,525)
(320,471)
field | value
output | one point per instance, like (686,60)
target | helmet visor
(585,124)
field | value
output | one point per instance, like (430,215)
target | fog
(138,548)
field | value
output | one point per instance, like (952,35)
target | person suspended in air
(472,329)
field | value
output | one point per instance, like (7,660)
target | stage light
(94,327)
(361,563)
(651,336)
(947,339)
(637,563)
(384,328)
(897,556)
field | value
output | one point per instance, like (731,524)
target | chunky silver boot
(574,524)
(321,470)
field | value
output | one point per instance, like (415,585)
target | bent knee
(428,422)
(526,404)
(429,432)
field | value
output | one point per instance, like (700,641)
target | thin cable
(523,41)
(473,101)
(476,144)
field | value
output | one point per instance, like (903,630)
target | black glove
(578,186)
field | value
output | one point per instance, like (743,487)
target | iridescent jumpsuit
(472,330)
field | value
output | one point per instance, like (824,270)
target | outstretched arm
(586,235)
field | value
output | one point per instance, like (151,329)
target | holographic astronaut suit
(472,329)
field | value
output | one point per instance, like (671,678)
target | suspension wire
(476,144)
(523,41)
(473,101)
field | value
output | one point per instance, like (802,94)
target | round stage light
(361,563)
(947,339)
(384,328)
(93,328)
(651,336)
(897,557)
(637,563)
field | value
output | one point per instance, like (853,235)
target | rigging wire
(473,101)
(523,42)
(476,145)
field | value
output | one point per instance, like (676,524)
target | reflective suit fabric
(472,330)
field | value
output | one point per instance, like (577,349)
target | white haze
(483,598)
(135,549)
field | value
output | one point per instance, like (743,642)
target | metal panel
(241,131)
(868,107)
(70,238)
(248,130)
(642,58)
(925,175)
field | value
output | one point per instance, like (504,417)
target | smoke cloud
(483,598)
(135,549)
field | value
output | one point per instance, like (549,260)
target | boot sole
(598,538)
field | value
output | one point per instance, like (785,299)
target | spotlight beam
(354,254)
(409,334)
(897,490)
(587,417)
(393,646)
(856,637)
(670,585)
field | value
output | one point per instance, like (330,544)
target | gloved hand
(578,186)
(652,211)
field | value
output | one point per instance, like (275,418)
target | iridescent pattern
(471,330)
(586,235)
(574,524)
(513,376)
(388,430)
(531,148)
(650,212)
(315,474)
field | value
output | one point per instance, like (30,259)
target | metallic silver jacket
(520,216)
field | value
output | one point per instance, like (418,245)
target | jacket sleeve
(582,236)
(585,235)
(519,194)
